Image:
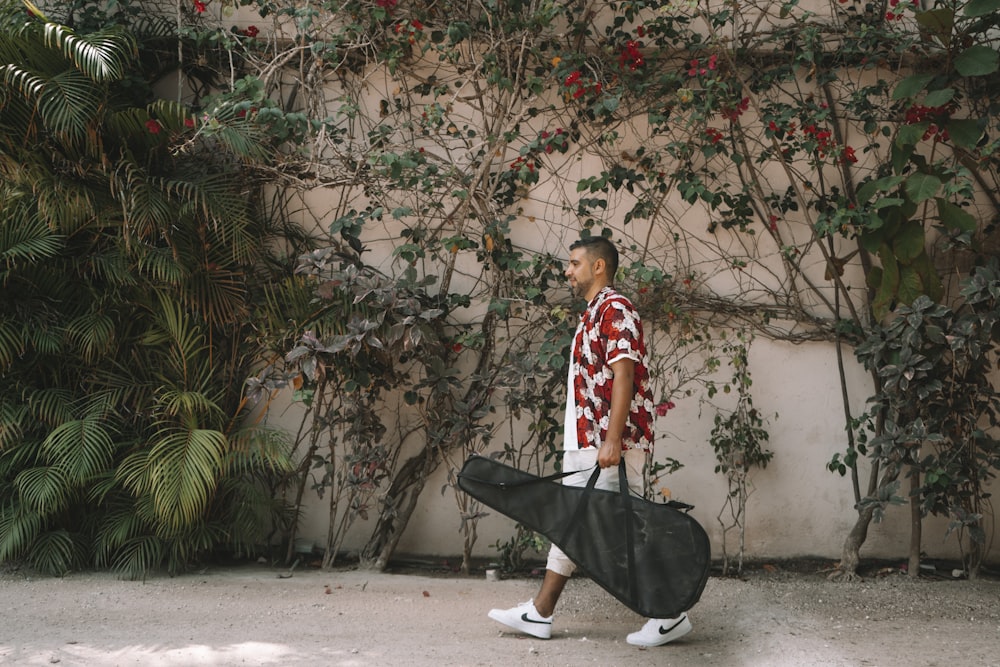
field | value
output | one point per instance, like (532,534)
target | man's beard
(581,289)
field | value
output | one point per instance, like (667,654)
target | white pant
(584,460)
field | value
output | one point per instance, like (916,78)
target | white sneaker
(524,618)
(659,631)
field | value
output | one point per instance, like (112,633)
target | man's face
(580,272)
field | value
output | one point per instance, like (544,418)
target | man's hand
(610,453)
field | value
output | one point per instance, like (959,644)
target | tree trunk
(850,556)
(401,499)
(913,566)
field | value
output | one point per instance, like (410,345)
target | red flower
(848,155)
(153,126)
(417,24)
(664,407)
(199,6)
(189,122)
(386,4)
(572,78)
(251,31)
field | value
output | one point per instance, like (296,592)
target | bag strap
(633,583)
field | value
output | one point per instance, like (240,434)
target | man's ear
(600,266)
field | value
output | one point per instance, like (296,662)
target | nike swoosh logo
(524,617)
(665,631)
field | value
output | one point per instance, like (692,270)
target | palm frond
(69,104)
(185,469)
(94,334)
(259,448)
(134,473)
(103,56)
(161,266)
(43,489)
(12,345)
(14,418)
(181,403)
(19,527)
(27,239)
(119,524)
(80,449)
(217,294)
(148,211)
(51,406)
(55,552)
(29,84)
(138,556)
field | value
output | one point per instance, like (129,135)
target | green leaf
(965,132)
(910,285)
(981,7)
(977,60)
(921,187)
(938,23)
(890,269)
(955,217)
(938,98)
(911,85)
(908,136)
(909,242)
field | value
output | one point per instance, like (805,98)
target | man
(608,416)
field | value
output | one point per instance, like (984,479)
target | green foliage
(940,402)
(738,438)
(129,265)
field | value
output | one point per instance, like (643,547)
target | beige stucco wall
(798,506)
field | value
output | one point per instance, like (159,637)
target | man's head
(593,262)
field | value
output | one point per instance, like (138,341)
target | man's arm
(622,389)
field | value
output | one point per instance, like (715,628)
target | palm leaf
(51,406)
(133,472)
(185,469)
(161,266)
(119,524)
(94,334)
(29,239)
(12,345)
(80,449)
(259,448)
(102,56)
(138,556)
(181,403)
(69,104)
(19,527)
(29,84)
(55,552)
(43,489)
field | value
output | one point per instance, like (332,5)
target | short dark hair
(600,247)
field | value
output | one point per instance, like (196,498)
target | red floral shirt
(610,330)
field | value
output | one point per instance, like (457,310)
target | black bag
(654,558)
